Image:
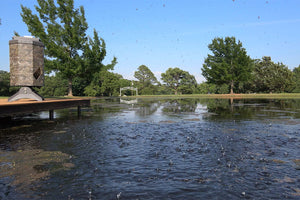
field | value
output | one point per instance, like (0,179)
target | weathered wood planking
(27,107)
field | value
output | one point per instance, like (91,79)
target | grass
(213,96)
(227,96)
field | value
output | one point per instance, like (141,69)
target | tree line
(74,62)
(265,77)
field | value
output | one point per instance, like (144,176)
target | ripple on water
(174,156)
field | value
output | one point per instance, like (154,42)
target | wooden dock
(28,106)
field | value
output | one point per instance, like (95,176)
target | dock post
(78,111)
(51,114)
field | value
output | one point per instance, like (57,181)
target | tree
(79,83)
(205,88)
(229,63)
(271,77)
(296,72)
(146,79)
(145,76)
(105,83)
(62,29)
(54,86)
(4,83)
(110,85)
(178,80)
(94,53)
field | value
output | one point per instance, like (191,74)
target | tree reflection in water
(180,106)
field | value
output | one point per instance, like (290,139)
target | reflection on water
(155,149)
(132,101)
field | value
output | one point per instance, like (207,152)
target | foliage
(4,83)
(54,86)
(207,88)
(223,89)
(5,89)
(296,79)
(163,90)
(145,75)
(228,64)
(179,80)
(94,53)
(271,77)
(79,84)
(110,85)
(105,83)
(125,82)
(62,28)
(146,80)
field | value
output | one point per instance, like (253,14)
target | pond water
(155,149)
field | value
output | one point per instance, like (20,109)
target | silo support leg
(25,93)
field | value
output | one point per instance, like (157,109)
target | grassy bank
(227,96)
(213,96)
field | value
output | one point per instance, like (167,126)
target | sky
(164,34)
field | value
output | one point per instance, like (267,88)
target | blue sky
(175,33)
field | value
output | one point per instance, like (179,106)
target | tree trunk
(70,92)
(231,87)
(176,88)
(231,104)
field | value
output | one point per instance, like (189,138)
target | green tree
(223,89)
(145,76)
(105,83)
(179,80)
(296,72)
(79,84)
(146,79)
(94,53)
(125,83)
(110,84)
(4,83)
(207,88)
(272,77)
(62,28)
(228,64)
(54,86)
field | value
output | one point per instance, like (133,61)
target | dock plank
(27,106)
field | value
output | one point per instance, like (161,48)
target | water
(155,149)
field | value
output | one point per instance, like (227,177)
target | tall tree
(146,79)
(62,29)
(4,83)
(272,77)
(296,72)
(228,64)
(94,53)
(104,83)
(145,75)
(178,80)
(54,86)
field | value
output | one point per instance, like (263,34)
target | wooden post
(51,114)
(78,111)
